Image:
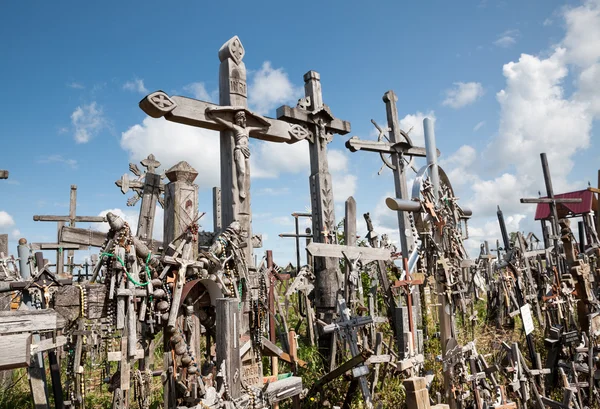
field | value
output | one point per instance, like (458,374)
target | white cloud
(507,38)
(271,88)
(136,85)
(269,191)
(6,220)
(269,160)
(463,94)
(171,142)
(72,163)
(478,126)
(413,124)
(582,39)
(131,216)
(87,121)
(75,85)
(536,116)
(198,91)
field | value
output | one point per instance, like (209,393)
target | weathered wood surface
(228,342)
(82,219)
(29,321)
(86,237)
(181,204)
(67,301)
(56,246)
(366,254)
(16,351)
(4,244)
(284,388)
(3,174)
(48,344)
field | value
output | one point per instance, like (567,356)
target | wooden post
(217,223)
(417,395)
(349,238)
(228,344)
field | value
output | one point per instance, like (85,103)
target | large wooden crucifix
(236,124)
(61,220)
(149,187)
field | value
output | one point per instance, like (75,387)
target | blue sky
(504,80)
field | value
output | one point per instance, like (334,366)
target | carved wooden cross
(149,187)
(71,219)
(235,130)
(398,146)
(552,202)
(3,174)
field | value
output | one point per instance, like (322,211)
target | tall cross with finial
(149,187)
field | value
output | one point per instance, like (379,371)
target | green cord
(126,272)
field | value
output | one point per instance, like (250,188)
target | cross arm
(3,174)
(549,200)
(82,219)
(366,254)
(193,112)
(302,116)
(355,144)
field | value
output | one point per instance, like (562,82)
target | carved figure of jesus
(241,152)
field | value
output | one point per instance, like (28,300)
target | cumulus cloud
(413,124)
(198,91)
(270,88)
(6,220)
(87,120)
(136,85)
(171,143)
(507,38)
(463,94)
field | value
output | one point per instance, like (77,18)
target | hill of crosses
(197,321)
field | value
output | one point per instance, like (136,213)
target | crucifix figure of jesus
(241,151)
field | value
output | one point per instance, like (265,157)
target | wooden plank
(335,250)
(284,388)
(49,343)
(19,347)
(56,246)
(29,321)
(82,219)
(86,237)
(228,342)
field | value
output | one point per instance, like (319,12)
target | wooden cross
(61,220)
(297,235)
(236,124)
(149,187)
(551,201)
(347,327)
(398,146)
(3,174)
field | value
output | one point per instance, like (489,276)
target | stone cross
(236,124)
(71,219)
(398,146)
(147,186)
